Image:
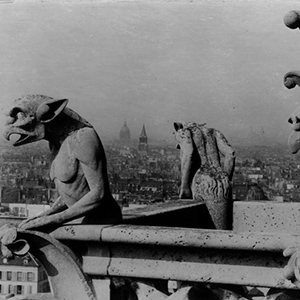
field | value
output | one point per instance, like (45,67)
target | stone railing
(103,255)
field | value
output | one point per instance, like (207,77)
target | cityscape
(133,69)
(141,172)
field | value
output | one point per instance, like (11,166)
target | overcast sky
(220,62)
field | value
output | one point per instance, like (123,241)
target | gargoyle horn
(291,79)
(178,125)
(48,110)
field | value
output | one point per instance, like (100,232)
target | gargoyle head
(182,134)
(186,133)
(29,115)
(294,139)
(292,79)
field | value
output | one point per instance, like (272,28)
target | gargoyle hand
(27,224)
(41,221)
(32,223)
(292,270)
(22,225)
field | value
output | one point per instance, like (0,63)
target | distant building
(22,276)
(143,142)
(247,192)
(125,134)
(255,193)
(27,210)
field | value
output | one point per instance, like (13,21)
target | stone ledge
(176,213)
(266,216)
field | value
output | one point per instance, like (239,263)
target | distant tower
(143,141)
(125,134)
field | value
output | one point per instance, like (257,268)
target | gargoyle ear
(50,109)
(178,125)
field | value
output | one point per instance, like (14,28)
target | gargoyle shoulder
(87,147)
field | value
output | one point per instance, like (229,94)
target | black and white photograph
(149,150)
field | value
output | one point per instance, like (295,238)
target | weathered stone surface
(145,290)
(204,176)
(127,289)
(292,20)
(78,161)
(122,291)
(266,216)
(255,292)
(42,296)
(193,293)
(275,294)
(9,243)
(204,292)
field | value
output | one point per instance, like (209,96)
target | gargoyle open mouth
(20,137)
(18,140)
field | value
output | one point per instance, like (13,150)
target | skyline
(220,63)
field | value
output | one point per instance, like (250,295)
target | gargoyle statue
(78,166)
(291,79)
(204,176)
(292,269)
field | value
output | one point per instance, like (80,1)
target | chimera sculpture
(204,176)
(78,166)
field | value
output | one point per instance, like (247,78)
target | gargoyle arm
(88,151)
(56,207)
(227,151)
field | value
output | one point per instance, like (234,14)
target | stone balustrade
(95,261)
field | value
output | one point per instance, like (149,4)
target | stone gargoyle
(204,175)
(292,269)
(291,79)
(79,167)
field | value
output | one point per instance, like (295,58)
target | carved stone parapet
(65,275)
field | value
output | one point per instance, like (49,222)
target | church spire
(143,141)
(143,133)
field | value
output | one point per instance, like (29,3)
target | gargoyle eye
(20,115)
(15,112)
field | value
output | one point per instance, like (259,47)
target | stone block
(274,294)
(193,293)
(266,216)
(204,292)
(41,296)
(146,291)
(128,289)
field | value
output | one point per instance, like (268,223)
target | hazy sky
(220,62)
